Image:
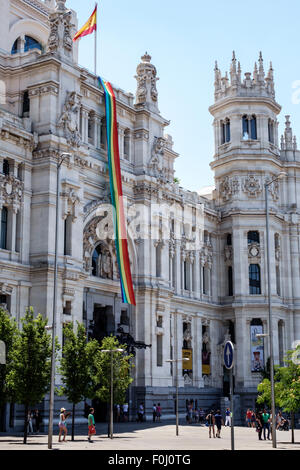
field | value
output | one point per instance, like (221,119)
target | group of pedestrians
(262,421)
(156,413)
(121,412)
(34,420)
(215,419)
(194,414)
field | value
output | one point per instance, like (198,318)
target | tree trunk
(25,424)
(293,427)
(73,421)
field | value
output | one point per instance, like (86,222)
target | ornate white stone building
(198,263)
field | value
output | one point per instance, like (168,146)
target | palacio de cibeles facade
(198,262)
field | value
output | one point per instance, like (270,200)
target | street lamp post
(177,413)
(60,161)
(280,176)
(111,351)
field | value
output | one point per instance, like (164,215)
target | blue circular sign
(228,355)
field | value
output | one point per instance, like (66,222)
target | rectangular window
(68,236)
(159,350)
(230,282)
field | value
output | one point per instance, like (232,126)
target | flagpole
(96,35)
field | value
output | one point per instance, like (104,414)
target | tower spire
(261,71)
(233,74)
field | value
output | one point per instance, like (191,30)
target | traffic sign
(228,355)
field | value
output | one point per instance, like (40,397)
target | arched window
(254,279)
(4,217)
(31,43)
(15,48)
(249,127)
(225,131)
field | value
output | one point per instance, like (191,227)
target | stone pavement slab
(132,437)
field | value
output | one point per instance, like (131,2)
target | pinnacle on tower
(255,73)
(261,72)
(233,75)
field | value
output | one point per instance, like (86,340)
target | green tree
(29,376)
(77,366)
(287,387)
(121,367)
(8,331)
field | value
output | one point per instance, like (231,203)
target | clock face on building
(254,251)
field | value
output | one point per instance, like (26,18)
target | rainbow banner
(89,27)
(117,193)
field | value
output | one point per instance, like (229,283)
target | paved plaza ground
(161,436)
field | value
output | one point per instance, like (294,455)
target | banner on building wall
(187,354)
(257,348)
(205,360)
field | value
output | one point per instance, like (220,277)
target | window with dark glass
(4,217)
(253,237)
(249,128)
(5,167)
(15,48)
(225,131)
(26,104)
(271,131)
(254,279)
(229,239)
(95,258)
(31,43)
(230,281)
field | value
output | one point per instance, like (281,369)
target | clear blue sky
(185,38)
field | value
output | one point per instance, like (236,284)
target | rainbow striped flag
(89,27)
(117,193)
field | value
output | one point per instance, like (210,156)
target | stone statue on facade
(68,121)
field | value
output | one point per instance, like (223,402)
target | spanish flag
(89,27)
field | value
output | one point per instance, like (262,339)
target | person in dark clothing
(211,423)
(219,422)
(259,426)
(37,420)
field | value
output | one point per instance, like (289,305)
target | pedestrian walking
(63,424)
(190,412)
(154,413)
(248,418)
(227,417)
(219,422)
(37,420)
(141,413)
(125,412)
(211,423)
(158,412)
(29,422)
(253,419)
(91,424)
(201,416)
(266,423)
(259,426)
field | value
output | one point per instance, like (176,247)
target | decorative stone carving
(105,262)
(71,203)
(146,93)
(60,37)
(254,250)
(11,191)
(273,189)
(157,156)
(228,253)
(69,119)
(252,186)
(228,187)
